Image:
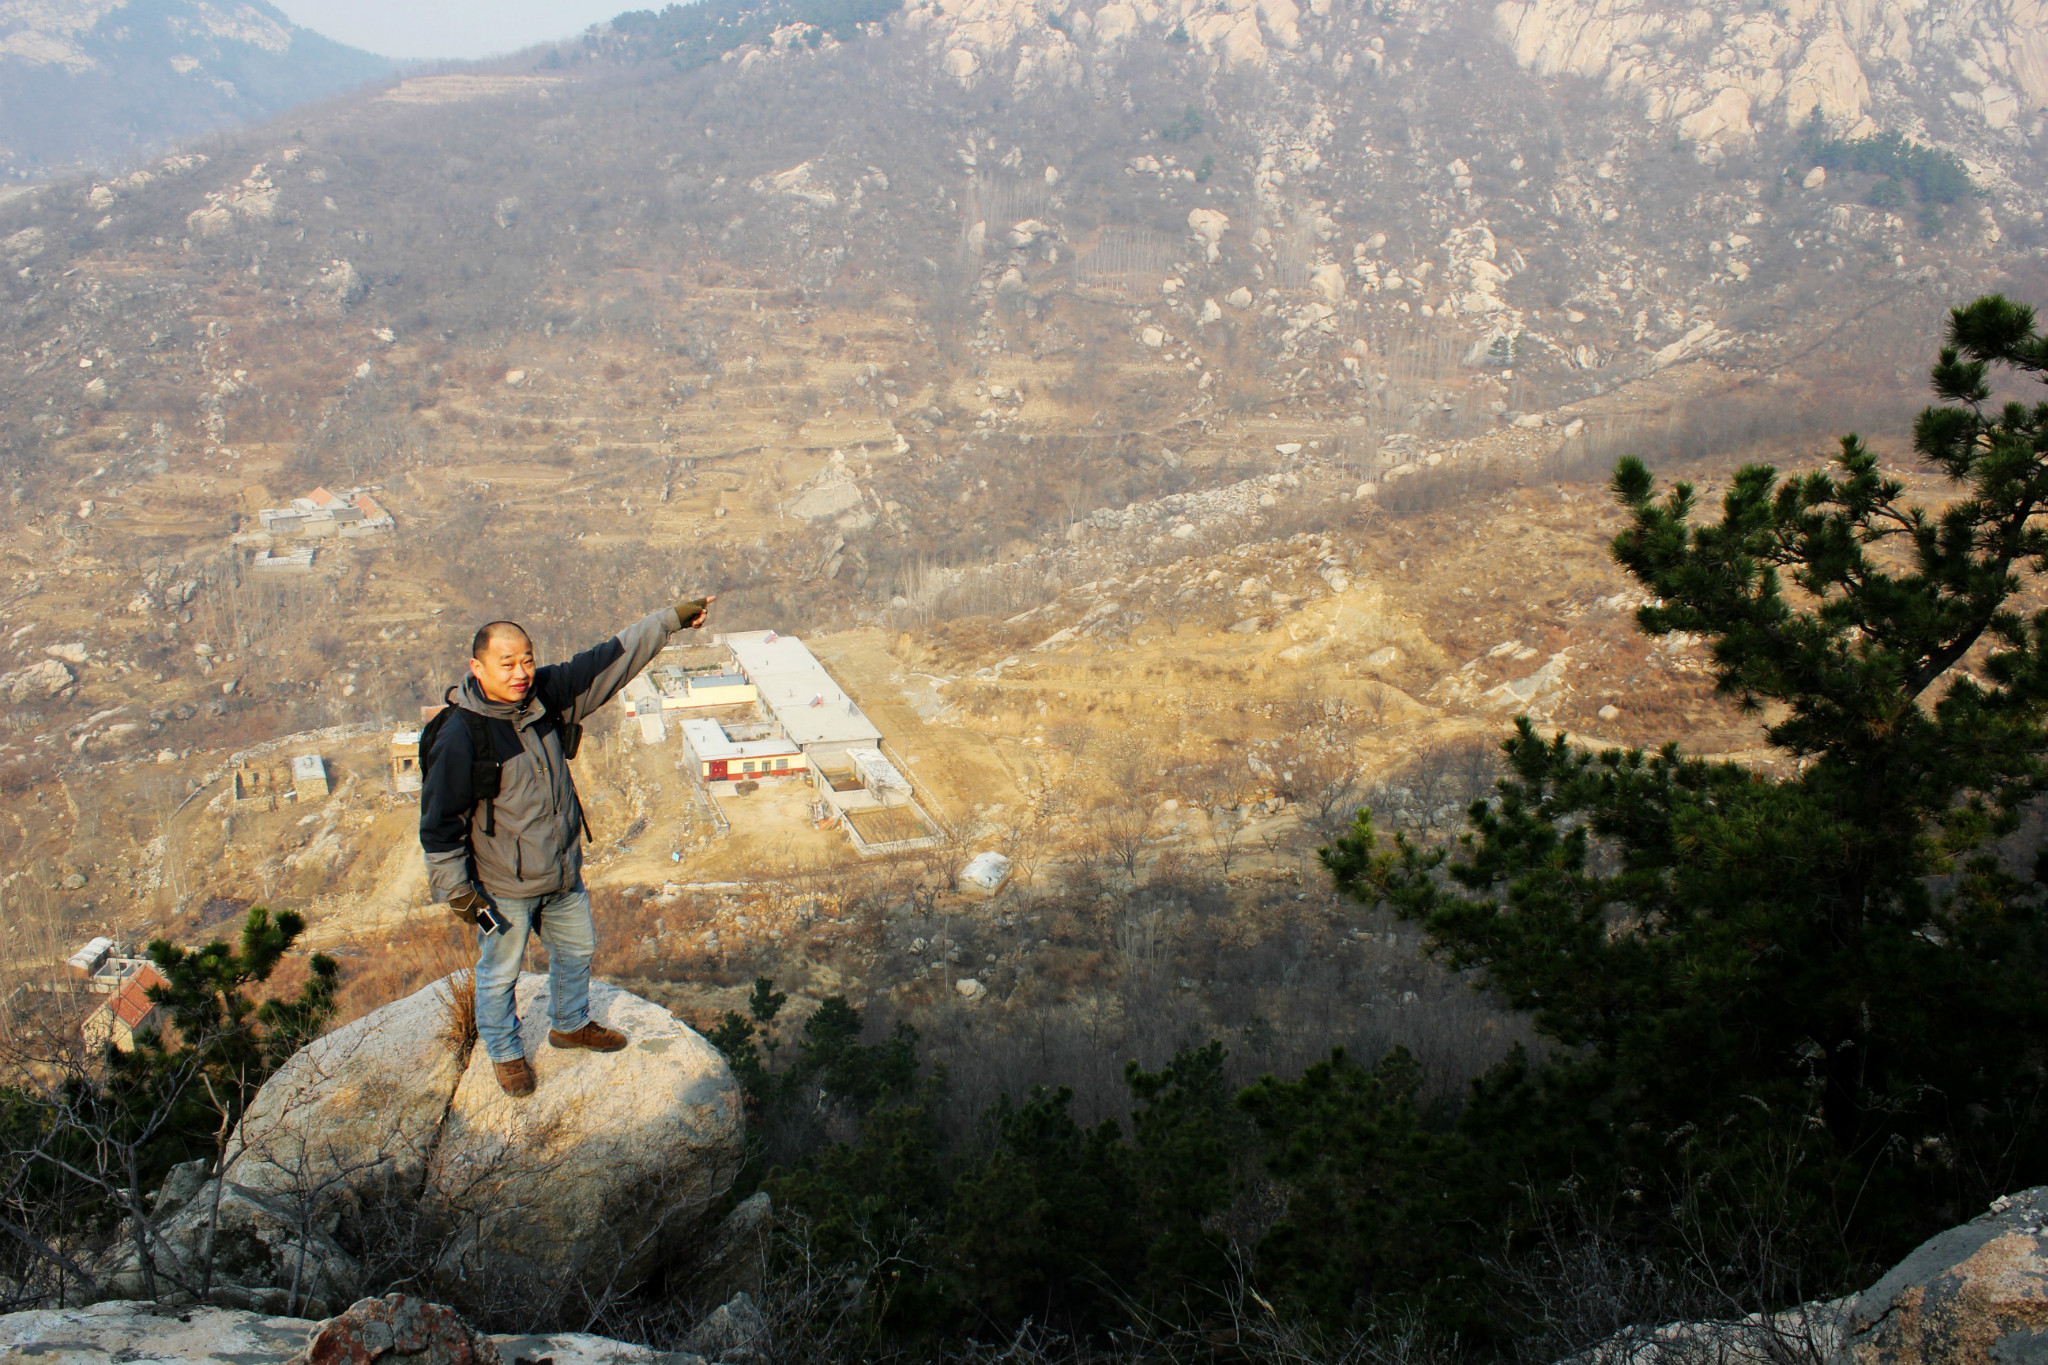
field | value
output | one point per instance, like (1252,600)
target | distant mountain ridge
(93,82)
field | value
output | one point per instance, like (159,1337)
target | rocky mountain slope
(102,82)
(1042,330)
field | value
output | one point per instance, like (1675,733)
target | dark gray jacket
(534,845)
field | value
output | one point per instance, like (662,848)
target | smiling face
(503,668)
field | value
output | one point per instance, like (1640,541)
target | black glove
(691,611)
(467,904)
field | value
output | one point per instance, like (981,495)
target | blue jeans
(563,920)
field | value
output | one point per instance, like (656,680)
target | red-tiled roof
(131,1004)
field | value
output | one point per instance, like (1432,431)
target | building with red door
(721,758)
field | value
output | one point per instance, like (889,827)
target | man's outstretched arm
(583,684)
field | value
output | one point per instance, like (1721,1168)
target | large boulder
(115,1332)
(1969,1296)
(353,1116)
(606,1166)
(385,1138)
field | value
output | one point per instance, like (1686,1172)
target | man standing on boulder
(502,827)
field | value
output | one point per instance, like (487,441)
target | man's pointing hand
(692,611)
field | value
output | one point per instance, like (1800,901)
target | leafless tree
(1221,838)
(1117,829)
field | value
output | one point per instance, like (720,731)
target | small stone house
(256,787)
(87,961)
(309,777)
(405,761)
(127,1012)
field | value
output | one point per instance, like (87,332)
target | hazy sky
(452,28)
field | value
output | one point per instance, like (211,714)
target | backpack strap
(570,735)
(483,767)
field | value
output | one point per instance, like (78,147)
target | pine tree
(1822,993)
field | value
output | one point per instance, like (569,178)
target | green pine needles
(1827,990)
(1939,178)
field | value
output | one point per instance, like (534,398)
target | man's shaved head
(492,630)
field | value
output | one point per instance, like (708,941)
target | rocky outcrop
(611,1158)
(1050,43)
(1808,1332)
(733,1331)
(1715,71)
(383,1130)
(1973,1295)
(42,679)
(118,1331)
(396,1328)
(237,1246)
(733,1259)
(1715,75)
(393,1329)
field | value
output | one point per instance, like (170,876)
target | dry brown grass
(458,1028)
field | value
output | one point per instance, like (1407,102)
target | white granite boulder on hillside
(604,1165)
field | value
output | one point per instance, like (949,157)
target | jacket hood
(472,698)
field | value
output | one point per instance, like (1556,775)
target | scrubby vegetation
(83,1153)
(1938,177)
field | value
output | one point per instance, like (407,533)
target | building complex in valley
(756,707)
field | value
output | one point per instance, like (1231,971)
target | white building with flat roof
(812,709)
(721,758)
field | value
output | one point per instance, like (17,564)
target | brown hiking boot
(515,1077)
(592,1035)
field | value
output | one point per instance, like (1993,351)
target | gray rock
(383,1128)
(580,1348)
(117,1331)
(1808,1332)
(733,1332)
(240,1247)
(337,289)
(734,1258)
(1972,1294)
(352,1117)
(186,1179)
(42,679)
